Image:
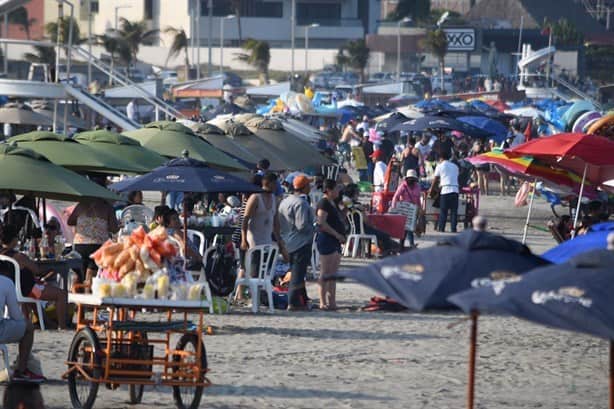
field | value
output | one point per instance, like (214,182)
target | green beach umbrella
(239,134)
(216,137)
(68,153)
(23,171)
(170,139)
(120,146)
(300,153)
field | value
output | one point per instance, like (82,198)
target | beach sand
(354,359)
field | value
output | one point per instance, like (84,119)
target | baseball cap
(300,182)
(377,154)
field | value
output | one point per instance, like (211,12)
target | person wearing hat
(379,170)
(408,192)
(296,222)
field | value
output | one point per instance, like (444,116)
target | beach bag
(221,271)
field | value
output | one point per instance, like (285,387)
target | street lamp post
(228,17)
(292,35)
(403,21)
(210,24)
(314,25)
(198,11)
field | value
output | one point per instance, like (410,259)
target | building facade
(31,25)
(339,20)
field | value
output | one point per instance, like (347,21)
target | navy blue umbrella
(595,239)
(441,122)
(185,175)
(396,118)
(497,130)
(425,278)
(574,296)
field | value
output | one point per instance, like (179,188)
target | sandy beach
(354,359)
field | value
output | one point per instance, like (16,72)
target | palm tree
(354,54)
(180,43)
(259,57)
(43,55)
(20,17)
(52,31)
(114,45)
(135,33)
(436,42)
(342,59)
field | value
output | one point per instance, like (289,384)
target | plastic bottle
(44,246)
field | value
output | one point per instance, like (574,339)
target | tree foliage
(258,55)
(180,43)
(354,54)
(51,29)
(416,9)
(42,55)
(21,17)
(564,32)
(436,42)
(134,34)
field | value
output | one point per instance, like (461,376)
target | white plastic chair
(265,268)
(25,300)
(141,214)
(198,276)
(315,259)
(197,238)
(5,355)
(357,235)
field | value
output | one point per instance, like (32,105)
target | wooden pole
(472,358)
(185,229)
(611,374)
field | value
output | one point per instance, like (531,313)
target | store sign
(460,39)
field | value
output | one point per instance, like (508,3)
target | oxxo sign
(460,39)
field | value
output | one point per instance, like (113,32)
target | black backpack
(221,271)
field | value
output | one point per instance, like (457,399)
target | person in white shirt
(16,329)
(379,172)
(131,110)
(446,178)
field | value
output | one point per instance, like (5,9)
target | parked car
(381,77)
(230,78)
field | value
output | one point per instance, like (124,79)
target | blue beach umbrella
(596,238)
(185,175)
(441,122)
(497,130)
(425,278)
(433,104)
(573,296)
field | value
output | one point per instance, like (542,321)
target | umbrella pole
(575,220)
(611,374)
(472,358)
(185,229)
(526,225)
(44,221)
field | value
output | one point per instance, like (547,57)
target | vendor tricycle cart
(121,350)
(468,206)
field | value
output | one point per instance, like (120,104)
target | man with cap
(296,219)
(379,170)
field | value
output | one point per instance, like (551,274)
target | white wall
(280,57)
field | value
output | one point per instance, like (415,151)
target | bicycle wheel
(136,391)
(84,350)
(188,397)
